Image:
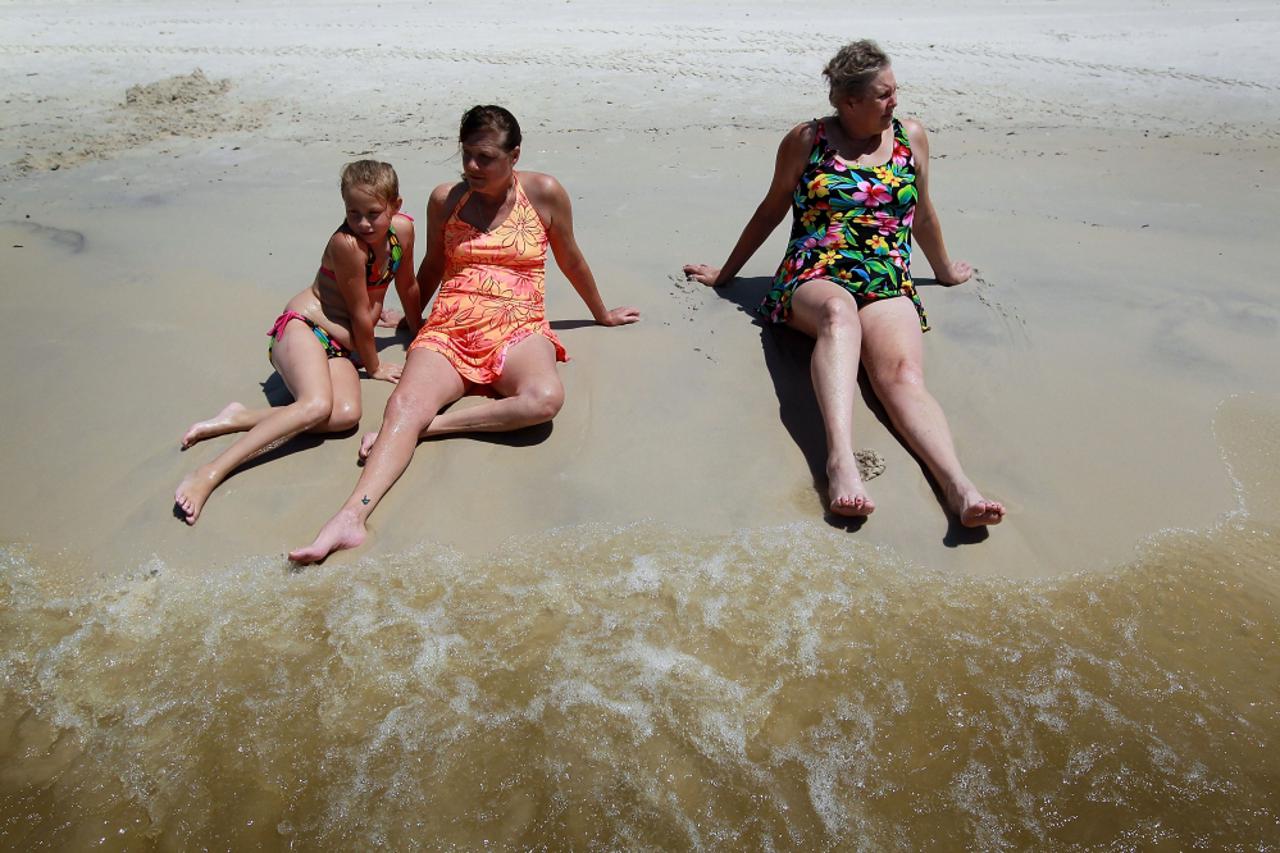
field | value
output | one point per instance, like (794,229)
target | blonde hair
(374,175)
(852,69)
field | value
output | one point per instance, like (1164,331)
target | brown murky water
(639,688)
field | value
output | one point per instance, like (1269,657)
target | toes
(189,511)
(309,554)
(853,505)
(982,514)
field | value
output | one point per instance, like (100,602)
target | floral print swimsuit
(851,225)
(493,291)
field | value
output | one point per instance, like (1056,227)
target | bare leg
(892,348)
(531,389)
(236,417)
(828,313)
(428,383)
(303,366)
(345,381)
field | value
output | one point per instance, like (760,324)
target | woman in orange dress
(487,239)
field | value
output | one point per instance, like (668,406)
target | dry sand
(168,176)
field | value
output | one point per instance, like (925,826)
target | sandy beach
(168,173)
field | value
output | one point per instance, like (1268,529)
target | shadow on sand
(787,354)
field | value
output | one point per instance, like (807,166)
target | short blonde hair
(373,175)
(852,69)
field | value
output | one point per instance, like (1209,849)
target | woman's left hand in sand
(702,273)
(619,317)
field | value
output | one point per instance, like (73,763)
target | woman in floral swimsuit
(857,185)
(487,239)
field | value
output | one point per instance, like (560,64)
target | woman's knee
(407,409)
(838,314)
(544,399)
(899,375)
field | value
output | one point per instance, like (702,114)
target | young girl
(323,330)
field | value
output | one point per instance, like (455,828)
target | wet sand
(1116,304)
(1108,374)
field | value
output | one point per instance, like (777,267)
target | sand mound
(870,463)
(189,105)
(185,105)
(179,90)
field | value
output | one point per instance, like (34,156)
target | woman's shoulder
(914,131)
(799,141)
(547,195)
(804,133)
(540,185)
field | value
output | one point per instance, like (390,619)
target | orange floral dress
(493,292)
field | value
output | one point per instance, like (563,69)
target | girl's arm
(926,229)
(406,283)
(349,255)
(432,269)
(557,214)
(788,167)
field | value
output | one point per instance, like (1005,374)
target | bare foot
(974,510)
(193,491)
(848,495)
(220,424)
(366,444)
(342,531)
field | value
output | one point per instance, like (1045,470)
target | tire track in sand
(611,60)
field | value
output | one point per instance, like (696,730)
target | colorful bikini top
(372,280)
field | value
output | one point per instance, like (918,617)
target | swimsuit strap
(394,254)
(521,196)
(820,141)
(457,207)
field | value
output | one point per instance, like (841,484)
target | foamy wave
(643,687)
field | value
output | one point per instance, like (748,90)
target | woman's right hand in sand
(957,272)
(702,273)
(387,371)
